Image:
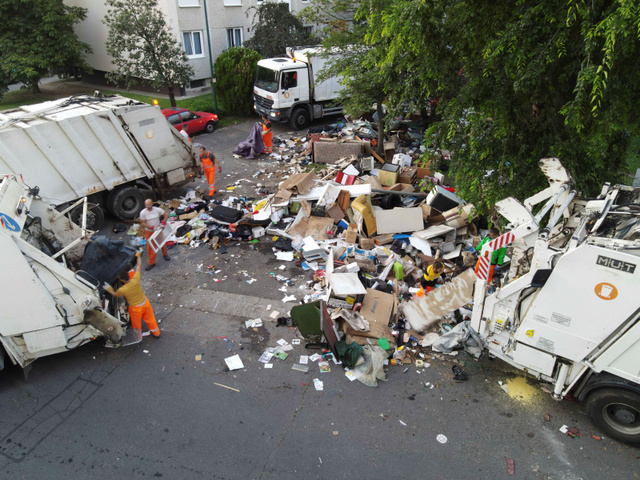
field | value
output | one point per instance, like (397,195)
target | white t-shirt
(153,217)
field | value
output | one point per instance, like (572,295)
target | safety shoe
(166,257)
(149,267)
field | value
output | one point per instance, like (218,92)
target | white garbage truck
(111,149)
(286,89)
(568,310)
(51,277)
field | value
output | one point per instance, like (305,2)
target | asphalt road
(154,410)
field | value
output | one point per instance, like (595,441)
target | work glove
(139,253)
(163,223)
(106,286)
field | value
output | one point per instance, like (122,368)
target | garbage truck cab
(568,311)
(286,90)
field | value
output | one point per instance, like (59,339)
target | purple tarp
(253,144)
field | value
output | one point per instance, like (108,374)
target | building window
(188,3)
(192,44)
(234,37)
(232,3)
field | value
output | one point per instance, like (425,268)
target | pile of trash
(366,227)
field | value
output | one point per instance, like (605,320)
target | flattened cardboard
(431,215)
(335,212)
(378,309)
(351,234)
(399,220)
(296,184)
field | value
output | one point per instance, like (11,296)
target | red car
(191,122)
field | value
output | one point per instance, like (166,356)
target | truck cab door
(292,87)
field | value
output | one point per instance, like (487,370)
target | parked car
(191,122)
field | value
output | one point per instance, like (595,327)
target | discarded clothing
(372,369)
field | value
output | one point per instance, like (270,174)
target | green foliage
(235,71)
(274,29)
(37,39)
(508,83)
(143,48)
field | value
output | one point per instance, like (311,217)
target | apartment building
(229,26)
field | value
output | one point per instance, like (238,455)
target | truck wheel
(300,119)
(126,203)
(209,127)
(95,216)
(616,412)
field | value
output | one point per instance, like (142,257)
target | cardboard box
(388,174)
(389,151)
(458,217)
(423,172)
(296,184)
(408,175)
(378,308)
(351,234)
(431,215)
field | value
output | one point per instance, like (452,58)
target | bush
(235,71)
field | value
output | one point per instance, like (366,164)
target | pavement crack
(284,433)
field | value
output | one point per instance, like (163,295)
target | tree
(352,56)
(143,48)
(274,29)
(518,81)
(234,79)
(37,39)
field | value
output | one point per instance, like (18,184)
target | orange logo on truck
(606,291)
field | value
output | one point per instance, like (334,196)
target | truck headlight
(273,114)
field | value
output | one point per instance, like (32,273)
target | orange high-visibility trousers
(267,140)
(210,173)
(144,312)
(152,254)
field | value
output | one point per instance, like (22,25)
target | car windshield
(267,79)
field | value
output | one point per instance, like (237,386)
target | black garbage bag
(105,259)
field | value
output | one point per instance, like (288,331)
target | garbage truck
(567,311)
(51,277)
(114,150)
(286,90)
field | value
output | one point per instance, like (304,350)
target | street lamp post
(213,79)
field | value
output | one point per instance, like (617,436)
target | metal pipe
(395,192)
(553,220)
(562,376)
(550,203)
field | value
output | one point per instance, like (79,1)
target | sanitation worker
(139,305)
(267,135)
(209,168)
(497,257)
(152,218)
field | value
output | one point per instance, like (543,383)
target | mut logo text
(616,264)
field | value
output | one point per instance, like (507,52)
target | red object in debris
(511,466)
(450,189)
(233,227)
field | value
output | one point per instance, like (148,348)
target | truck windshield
(267,79)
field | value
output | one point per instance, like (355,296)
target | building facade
(229,26)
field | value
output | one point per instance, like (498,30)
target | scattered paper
(402,423)
(268,365)
(441,438)
(265,357)
(274,314)
(295,341)
(315,357)
(285,256)
(234,362)
(318,384)
(324,367)
(289,298)
(253,323)
(304,359)
(281,355)
(282,342)
(198,358)
(300,368)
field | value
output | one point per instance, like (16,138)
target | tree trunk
(172,96)
(35,87)
(380,148)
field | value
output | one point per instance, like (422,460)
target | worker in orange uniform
(139,305)
(208,160)
(152,218)
(267,135)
